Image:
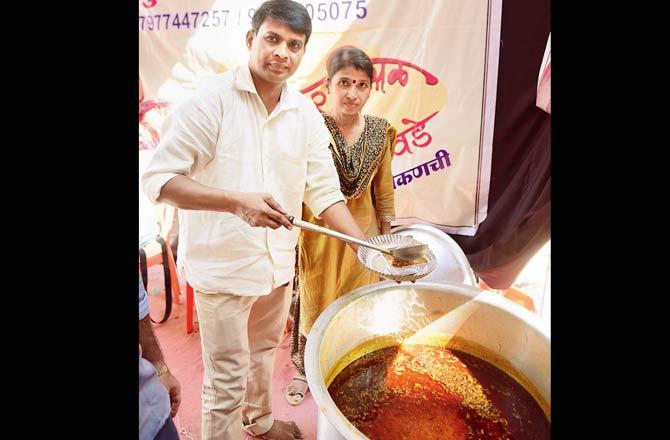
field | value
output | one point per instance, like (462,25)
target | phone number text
(321,12)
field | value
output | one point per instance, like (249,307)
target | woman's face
(351,89)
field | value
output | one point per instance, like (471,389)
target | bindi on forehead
(354,81)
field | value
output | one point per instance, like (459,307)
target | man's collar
(244,81)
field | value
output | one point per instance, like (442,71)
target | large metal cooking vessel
(410,312)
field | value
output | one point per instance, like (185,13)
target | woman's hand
(385,228)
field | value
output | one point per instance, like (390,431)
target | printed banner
(435,72)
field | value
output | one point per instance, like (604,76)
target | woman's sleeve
(383,180)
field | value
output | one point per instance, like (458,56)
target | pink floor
(182,353)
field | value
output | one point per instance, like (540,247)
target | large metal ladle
(403,253)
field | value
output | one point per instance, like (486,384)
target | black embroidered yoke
(356,164)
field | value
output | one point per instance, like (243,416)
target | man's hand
(260,209)
(174,390)
(255,209)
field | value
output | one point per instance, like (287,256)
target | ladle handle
(341,236)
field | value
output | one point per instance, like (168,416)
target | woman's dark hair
(287,11)
(349,56)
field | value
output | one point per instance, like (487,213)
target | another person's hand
(174,390)
(260,209)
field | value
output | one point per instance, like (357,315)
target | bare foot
(296,390)
(282,431)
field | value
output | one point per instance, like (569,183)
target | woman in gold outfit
(362,149)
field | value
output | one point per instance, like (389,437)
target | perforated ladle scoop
(403,253)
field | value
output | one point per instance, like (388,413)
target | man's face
(276,51)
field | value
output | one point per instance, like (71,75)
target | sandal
(296,397)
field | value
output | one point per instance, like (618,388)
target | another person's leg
(266,327)
(225,355)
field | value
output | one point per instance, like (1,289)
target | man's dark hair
(293,14)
